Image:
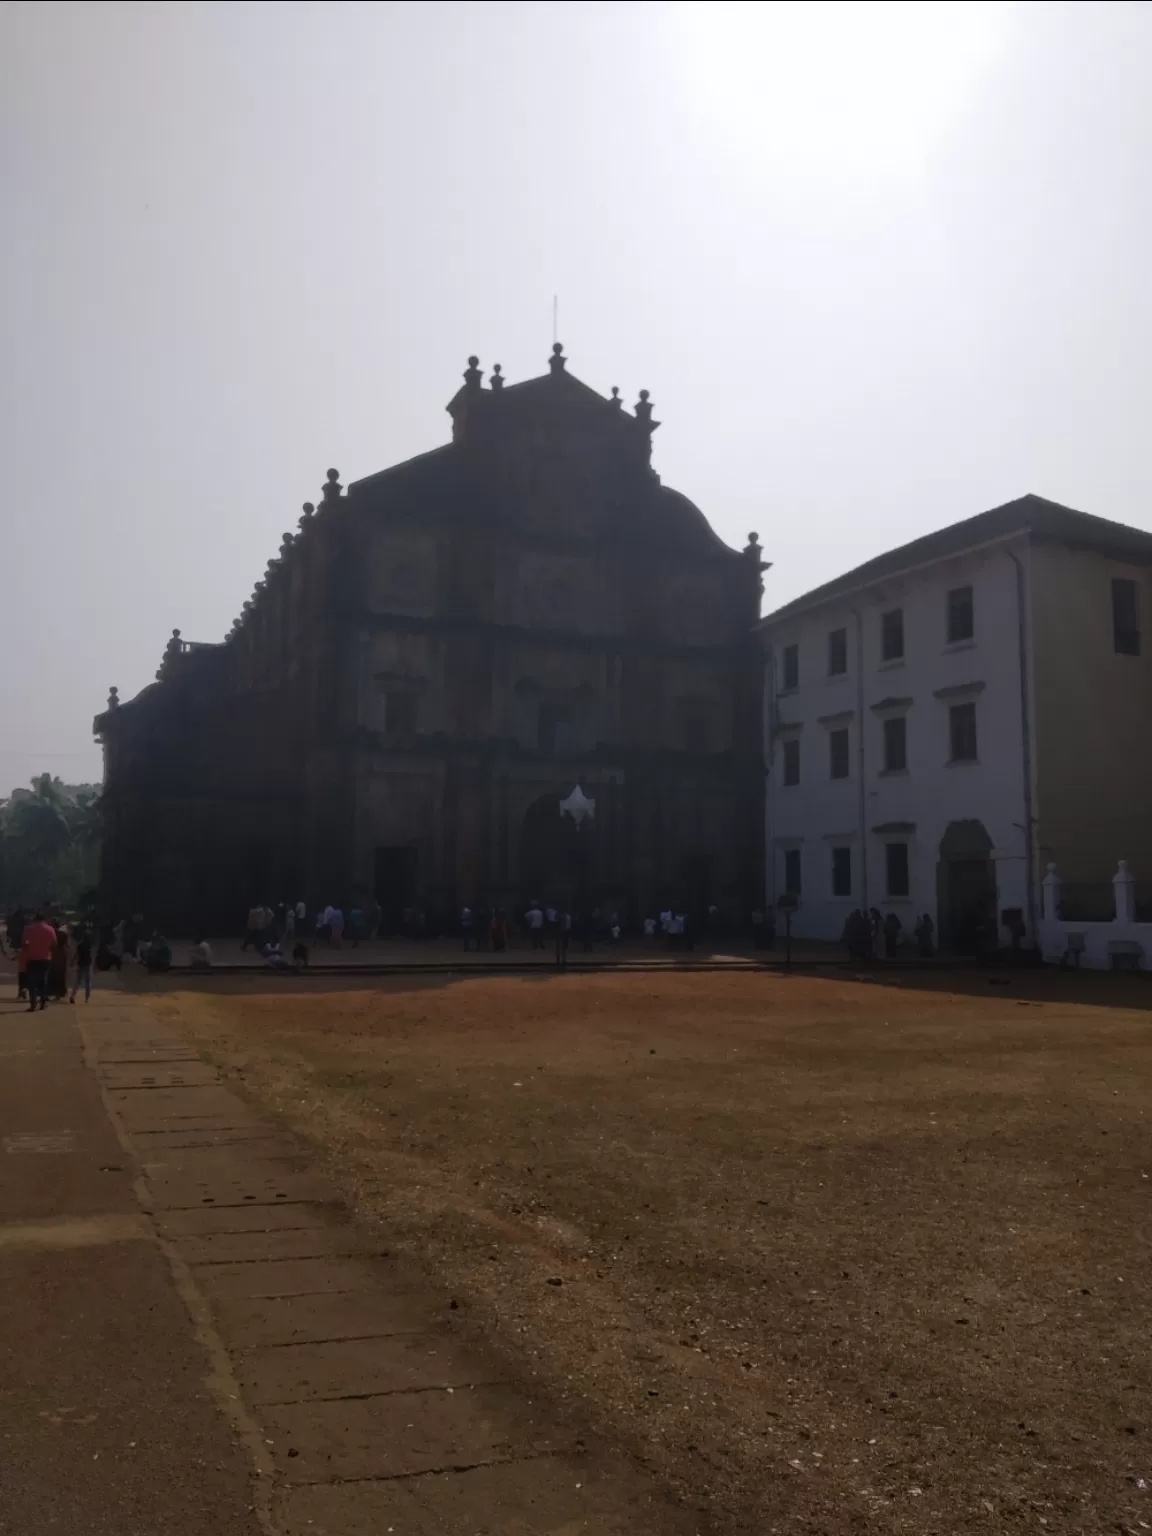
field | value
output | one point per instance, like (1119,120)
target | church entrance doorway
(554,854)
(396,884)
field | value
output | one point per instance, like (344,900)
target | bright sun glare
(863,85)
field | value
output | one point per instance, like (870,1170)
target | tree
(49,836)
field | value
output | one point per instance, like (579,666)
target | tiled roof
(1027,514)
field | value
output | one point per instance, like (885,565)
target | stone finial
(497,379)
(557,360)
(333,487)
(473,374)
(616,400)
(644,408)
(286,543)
(113,698)
(303,522)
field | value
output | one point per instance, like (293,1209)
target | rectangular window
(792,871)
(892,634)
(838,754)
(961,615)
(837,652)
(791,752)
(895,744)
(400,714)
(1125,618)
(896,868)
(962,732)
(790,669)
(841,871)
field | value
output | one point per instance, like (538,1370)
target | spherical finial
(616,400)
(497,379)
(557,348)
(333,476)
(309,508)
(473,362)
(332,488)
(644,394)
(113,698)
(175,634)
(753,539)
(472,374)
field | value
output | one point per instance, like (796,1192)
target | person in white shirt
(535,920)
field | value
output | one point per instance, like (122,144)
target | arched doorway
(966,887)
(554,854)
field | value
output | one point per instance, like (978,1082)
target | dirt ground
(829,1255)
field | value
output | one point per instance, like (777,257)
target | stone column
(1124,891)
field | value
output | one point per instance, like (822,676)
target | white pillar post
(1124,890)
(1051,894)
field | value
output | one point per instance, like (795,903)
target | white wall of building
(871,807)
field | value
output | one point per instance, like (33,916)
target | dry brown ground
(830,1256)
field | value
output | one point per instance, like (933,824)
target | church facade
(435,660)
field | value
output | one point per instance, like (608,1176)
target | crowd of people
(56,955)
(872,936)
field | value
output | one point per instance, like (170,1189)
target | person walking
(335,916)
(892,927)
(534,917)
(37,944)
(58,966)
(563,937)
(83,959)
(253,927)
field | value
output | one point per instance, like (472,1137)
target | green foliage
(49,842)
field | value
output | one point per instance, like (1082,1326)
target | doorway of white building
(965,886)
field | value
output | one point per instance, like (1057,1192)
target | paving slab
(250,1322)
(401,1433)
(212,1220)
(264,1279)
(298,1373)
(316,1242)
(543,1496)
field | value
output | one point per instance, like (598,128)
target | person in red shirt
(36,946)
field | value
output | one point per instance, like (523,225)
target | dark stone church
(433,662)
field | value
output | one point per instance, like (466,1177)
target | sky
(881,266)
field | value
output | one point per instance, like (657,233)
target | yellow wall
(1092,717)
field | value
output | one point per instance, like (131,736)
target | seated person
(158,954)
(106,957)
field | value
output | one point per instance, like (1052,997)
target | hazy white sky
(881,266)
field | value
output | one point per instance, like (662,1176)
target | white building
(945,720)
